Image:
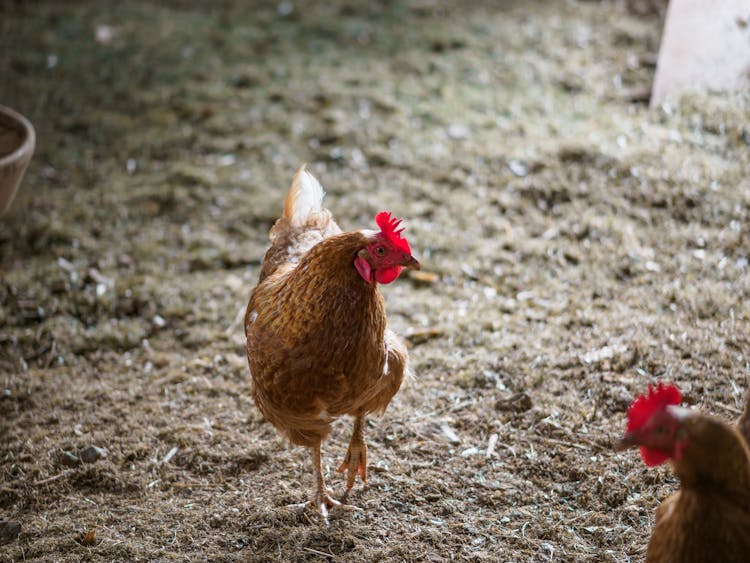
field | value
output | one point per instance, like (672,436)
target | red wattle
(652,458)
(387,275)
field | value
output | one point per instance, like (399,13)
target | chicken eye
(380,251)
(661,430)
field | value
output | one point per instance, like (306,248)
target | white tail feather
(305,199)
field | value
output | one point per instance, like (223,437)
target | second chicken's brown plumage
(708,519)
(743,423)
(318,345)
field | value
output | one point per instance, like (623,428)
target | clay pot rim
(27,146)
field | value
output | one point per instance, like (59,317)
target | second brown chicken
(708,519)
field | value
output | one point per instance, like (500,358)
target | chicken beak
(628,441)
(411,263)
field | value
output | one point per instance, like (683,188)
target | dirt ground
(577,246)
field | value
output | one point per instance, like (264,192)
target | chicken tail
(302,225)
(304,202)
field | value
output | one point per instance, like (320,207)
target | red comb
(389,229)
(645,405)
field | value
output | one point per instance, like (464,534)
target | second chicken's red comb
(645,405)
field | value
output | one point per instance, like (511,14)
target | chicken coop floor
(575,247)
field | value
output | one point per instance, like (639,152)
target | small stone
(92,454)
(285,8)
(104,34)
(9,530)
(68,459)
(518,168)
(458,131)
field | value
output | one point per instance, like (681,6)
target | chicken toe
(322,500)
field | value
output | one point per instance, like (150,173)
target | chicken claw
(322,502)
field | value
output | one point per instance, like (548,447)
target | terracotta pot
(17,141)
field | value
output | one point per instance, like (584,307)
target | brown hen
(318,345)
(708,519)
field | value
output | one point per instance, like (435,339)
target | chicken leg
(355,461)
(322,499)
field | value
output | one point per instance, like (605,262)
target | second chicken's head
(655,424)
(386,253)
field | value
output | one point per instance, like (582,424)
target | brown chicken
(708,519)
(317,342)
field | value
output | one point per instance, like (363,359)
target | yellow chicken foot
(355,461)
